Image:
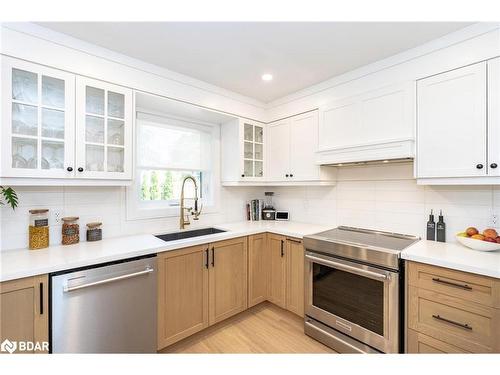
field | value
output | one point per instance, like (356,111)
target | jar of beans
(39,229)
(94,231)
(70,230)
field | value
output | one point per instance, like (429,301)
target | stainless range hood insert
(370,162)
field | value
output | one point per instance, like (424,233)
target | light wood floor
(264,328)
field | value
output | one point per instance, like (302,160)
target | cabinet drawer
(420,343)
(460,323)
(467,286)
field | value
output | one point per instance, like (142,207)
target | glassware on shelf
(116,132)
(116,104)
(259,134)
(24,86)
(248,132)
(259,153)
(52,155)
(115,159)
(248,150)
(248,168)
(24,152)
(94,129)
(94,100)
(24,119)
(52,123)
(94,158)
(52,92)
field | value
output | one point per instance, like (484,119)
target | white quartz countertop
(18,263)
(455,256)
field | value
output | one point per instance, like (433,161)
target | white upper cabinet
(60,128)
(452,124)
(376,125)
(104,120)
(243,151)
(292,150)
(37,121)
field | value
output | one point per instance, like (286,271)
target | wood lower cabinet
(227,279)
(277,269)
(258,269)
(24,311)
(295,276)
(457,311)
(182,293)
(418,343)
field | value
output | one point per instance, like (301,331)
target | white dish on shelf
(478,245)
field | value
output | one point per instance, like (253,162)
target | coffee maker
(268,212)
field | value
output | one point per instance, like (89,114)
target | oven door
(357,300)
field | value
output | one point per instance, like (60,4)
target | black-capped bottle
(441,228)
(431,228)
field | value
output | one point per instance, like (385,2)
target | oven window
(355,298)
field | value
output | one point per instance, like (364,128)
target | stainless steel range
(354,287)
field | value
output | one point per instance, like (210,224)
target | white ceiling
(234,55)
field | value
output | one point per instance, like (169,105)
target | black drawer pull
(493,165)
(206,261)
(294,240)
(282,250)
(461,325)
(461,286)
(479,166)
(213,256)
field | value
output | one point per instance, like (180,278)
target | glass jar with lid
(94,231)
(70,230)
(38,234)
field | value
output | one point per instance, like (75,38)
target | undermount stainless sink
(188,234)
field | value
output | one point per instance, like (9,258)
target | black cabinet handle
(41,298)
(479,166)
(461,325)
(493,165)
(80,169)
(242,175)
(291,175)
(69,169)
(282,250)
(286,175)
(213,256)
(206,261)
(461,286)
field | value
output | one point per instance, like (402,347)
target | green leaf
(10,196)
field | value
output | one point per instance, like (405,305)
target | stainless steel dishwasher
(108,308)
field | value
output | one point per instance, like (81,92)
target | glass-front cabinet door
(253,150)
(37,121)
(103,130)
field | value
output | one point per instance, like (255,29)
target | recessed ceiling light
(267,77)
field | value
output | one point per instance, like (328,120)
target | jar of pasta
(70,230)
(38,236)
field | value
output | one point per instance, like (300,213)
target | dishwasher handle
(110,280)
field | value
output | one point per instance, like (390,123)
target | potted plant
(9,196)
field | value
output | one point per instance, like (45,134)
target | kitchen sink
(188,234)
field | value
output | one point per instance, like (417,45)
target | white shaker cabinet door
(451,123)
(104,120)
(303,147)
(494,117)
(37,121)
(279,150)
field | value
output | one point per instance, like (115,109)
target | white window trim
(136,211)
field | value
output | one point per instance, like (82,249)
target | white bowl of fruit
(486,241)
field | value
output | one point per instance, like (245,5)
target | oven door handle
(347,268)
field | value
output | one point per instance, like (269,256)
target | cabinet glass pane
(258,152)
(259,169)
(115,159)
(248,168)
(52,92)
(259,134)
(52,123)
(94,100)
(248,132)
(116,104)
(116,131)
(94,129)
(24,119)
(248,151)
(24,153)
(24,86)
(52,155)
(94,158)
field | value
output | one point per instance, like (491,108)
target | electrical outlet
(494,220)
(56,215)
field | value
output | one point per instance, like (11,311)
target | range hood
(393,151)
